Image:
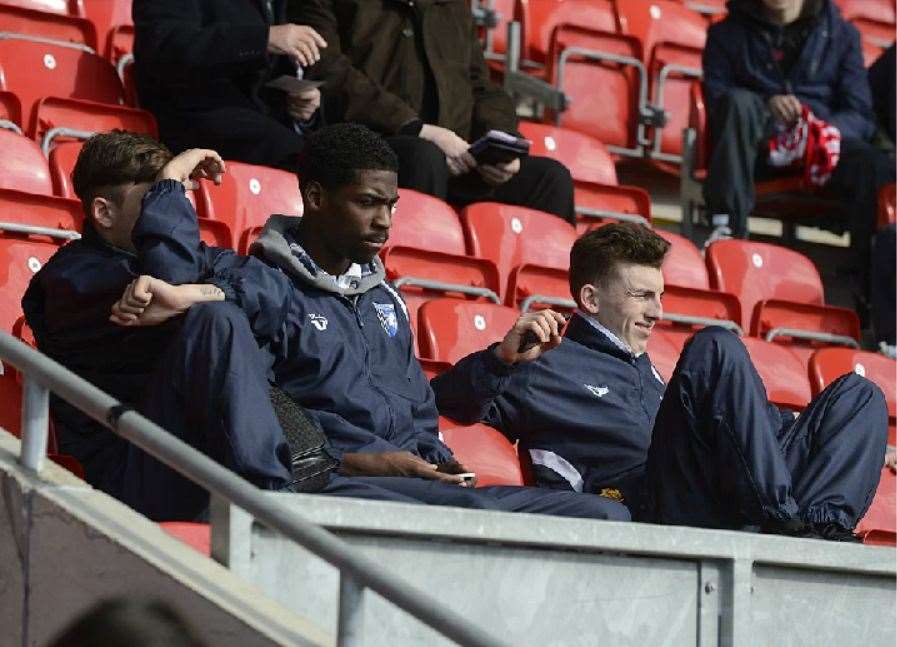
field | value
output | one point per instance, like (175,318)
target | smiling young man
(708,449)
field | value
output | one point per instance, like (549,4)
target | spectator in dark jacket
(414,72)
(761,64)
(201,69)
(708,449)
(884,91)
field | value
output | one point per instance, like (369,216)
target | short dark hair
(596,254)
(332,155)
(108,161)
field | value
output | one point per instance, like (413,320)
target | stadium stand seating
(432,368)
(248,194)
(64,119)
(533,287)
(196,535)
(114,28)
(60,7)
(887,205)
(781,295)
(596,192)
(484,451)
(36,70)
(686,310)
(22,165)
(451,329)
(426,255)
(511,236)
(828,364)
(664,353)
(684,264)
(47,25)
(10,112)
(539,19)
(671,39)
(23,208)
(875,20)
(879,526)
(23,255)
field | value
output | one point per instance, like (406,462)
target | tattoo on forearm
(211,291)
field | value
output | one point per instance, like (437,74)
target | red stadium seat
(511,236)
(10,112)
(484,451)
(10,399)
(215,233)
(64,119)
(35,70)
(248,195)
(828,364)
(539,19)
(876,21)
(596,194)
(887,205)
(451,329)
(686,310)
(879,526)
(664,353)
(19,207)
(533,287)
(196,535)
(497,38)
(672,38)
(108,16)
(783,372)
(22,165)
(781,294)
(61,7)
(425,222)
(683,264)
(45,24)
(21,256)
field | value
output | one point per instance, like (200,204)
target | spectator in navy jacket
(764,61)
(707,449)
(201,69)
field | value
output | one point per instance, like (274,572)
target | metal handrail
(10,35)
(357,572)
(62,131)
(52,232)
(694,320)
(443,286)
(547,300)
(589,212)
(813,335)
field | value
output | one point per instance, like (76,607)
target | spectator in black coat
(765,61)
(202,66)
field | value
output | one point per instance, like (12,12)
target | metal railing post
(350,625)
(35,424)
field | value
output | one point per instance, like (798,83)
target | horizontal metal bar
(11,35)
(35,424)
(813,335)
(519,83)
(705,9)
(589,212)
(442,286)
(6,124)
(703,321)
(18,228)
(219,480)
(122,63)
(547,300)
(62,131)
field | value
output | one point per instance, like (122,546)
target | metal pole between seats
(35,424)
(350,626)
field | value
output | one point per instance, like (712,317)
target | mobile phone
(531,339)
(467,478)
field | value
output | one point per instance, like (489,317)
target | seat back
(510,236)
(108,16)
(879,526)
(46,211)
(687,310)
(539,19)
(21,256)
(783,373)
(484,451)
(422,221)
(62,27)
(248,195)
(605,94)
(672,38)
(586,157)
(22,165)
(60,7)
(664,353)
(683,264)
(828,364)
(533,287)
(35,70)
(451,329)
(758,271)
(86,117)
(600,204)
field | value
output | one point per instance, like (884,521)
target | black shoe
(787,527)
(834,531)
(310,462)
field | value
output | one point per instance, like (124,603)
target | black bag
(311,464)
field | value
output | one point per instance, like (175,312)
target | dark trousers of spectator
(240,134)
(723,456)
(883,291)
(741,125)
(497,498)
(210,389)
(542,183)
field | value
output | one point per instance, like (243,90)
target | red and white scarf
(810,143)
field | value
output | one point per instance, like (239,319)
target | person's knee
(718,339)
(740,101)
(417,152)
(552,172)
(608,509)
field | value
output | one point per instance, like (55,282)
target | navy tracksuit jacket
(707,450)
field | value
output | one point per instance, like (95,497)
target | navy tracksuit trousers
(210,389)
(722,456)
